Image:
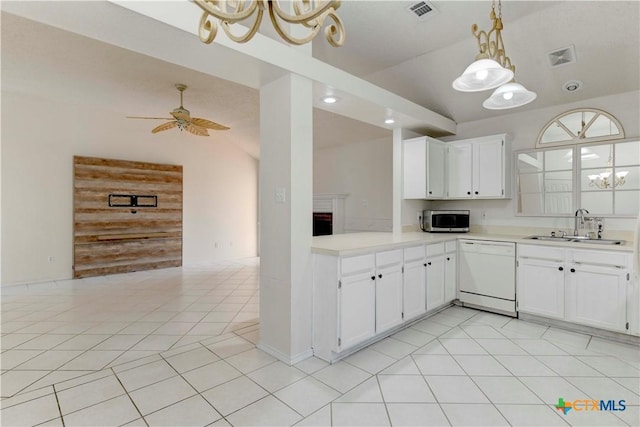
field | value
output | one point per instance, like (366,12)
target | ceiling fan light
(483,74)
(510,95)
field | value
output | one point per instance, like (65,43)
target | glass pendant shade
(483,74)
(509,95)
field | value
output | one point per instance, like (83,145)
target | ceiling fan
(183,120)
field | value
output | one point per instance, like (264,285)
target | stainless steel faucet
(579,215)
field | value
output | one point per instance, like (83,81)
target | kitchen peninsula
(370,285)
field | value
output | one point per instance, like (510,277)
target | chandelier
(308,13)
(493,69)
(602,180)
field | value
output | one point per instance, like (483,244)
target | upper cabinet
(424,168)
(468,169)
(477,168)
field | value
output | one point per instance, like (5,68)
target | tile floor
(177,347)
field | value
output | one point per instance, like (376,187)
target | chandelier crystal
(308,13)
(603,181)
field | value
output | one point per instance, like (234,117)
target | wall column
(286,203)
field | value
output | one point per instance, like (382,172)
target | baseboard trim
(289,360)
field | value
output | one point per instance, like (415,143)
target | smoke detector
(572,86)
(422,10)
(562,56)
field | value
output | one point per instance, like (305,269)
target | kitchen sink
(551,238)
(577,239)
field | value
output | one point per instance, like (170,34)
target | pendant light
(493,69)
(509,95)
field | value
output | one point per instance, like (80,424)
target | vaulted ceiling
(385,45)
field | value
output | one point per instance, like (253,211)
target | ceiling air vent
(422,10)
(563,56)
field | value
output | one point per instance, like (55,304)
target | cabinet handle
(380,276)
(560,268)
(429,263)
(468,192)
(430,192)
(425,264)
(373,277)
(476,192)
(448,259)
(573,270)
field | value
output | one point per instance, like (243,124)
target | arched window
(578,126)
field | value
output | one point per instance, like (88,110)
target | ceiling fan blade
(179,115)
(197,130)
(152,118)
(208,124)
(164,126)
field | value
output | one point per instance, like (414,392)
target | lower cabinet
(441,276)
(388,294)
(357,312)
(414,282)
(541,287)
(597,296)
(586,287)
(357,298)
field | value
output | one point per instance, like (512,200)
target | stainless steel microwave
(445,221)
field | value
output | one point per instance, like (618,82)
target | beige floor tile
(275,376)
(88,394)
(116,411)
(307,395)
(234,395)
(341,376)
(211,375)
(32,412)
(359,414)
(268,411)
(416,414)
(145,375)
(161,394)
(194,411)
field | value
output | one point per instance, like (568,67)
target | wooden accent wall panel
(110,240)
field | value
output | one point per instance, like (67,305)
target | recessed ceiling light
(330,99)
(572,86)
(389,121)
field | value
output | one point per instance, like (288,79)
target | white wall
(364,171)
(522,129)
(40,138)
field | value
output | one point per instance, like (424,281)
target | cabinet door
(414,168)
(356,301)
(435,281)
(450,279)
(597,296)
(388,302)
(540,287)
(436,169)
(488,168)
(459,170)
(414,289)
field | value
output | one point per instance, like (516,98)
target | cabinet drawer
(414,253)
(387,258)
(541,252)
(586,256)
(357,264)
(435,249)
(450,246)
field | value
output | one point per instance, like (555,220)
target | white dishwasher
(487,275)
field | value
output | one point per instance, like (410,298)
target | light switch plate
(281,195)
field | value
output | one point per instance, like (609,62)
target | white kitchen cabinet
(582,286)
(414,282)
(356,300)
(596,289)
(450,276)
(389,289)
(423,168)
(477,168)
(435,275)
(459,175)
(597,296)
(541,287)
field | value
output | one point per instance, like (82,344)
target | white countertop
(356,243)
